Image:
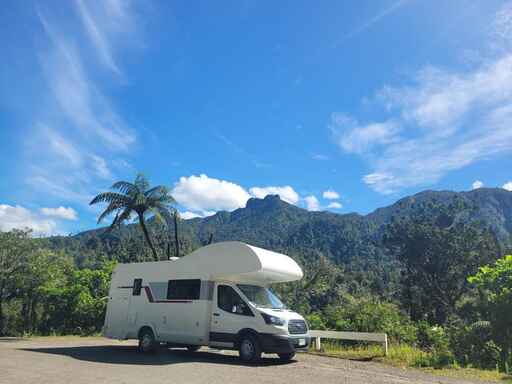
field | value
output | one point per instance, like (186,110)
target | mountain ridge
(342,238)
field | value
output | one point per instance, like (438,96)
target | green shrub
(371,315)
(432,338)
(315,321)
(473,345)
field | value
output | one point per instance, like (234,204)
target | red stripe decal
(149,294)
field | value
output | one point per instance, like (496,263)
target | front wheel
(249,349)
(147,342)
(286,356)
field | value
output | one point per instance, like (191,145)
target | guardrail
(358,336)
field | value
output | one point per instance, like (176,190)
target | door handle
(216,314)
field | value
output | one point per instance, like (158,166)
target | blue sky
(340,106)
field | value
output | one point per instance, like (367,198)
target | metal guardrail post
(318,345)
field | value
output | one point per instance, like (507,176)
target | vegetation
(407,356)
(432,285)
(43,292)
(428,270)
(495,285)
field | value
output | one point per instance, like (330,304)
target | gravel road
(66,360)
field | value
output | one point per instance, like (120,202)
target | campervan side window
(137,286)
(187,289)
(228,300)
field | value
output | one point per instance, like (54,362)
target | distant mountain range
(343,238)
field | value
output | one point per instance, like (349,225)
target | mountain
(271,222)
(274,224)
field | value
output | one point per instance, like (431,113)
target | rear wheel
(286,356)
(193,348)
(147,342)
(249,349)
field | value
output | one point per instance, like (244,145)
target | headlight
(274,320)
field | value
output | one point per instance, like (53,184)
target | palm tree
(136,198)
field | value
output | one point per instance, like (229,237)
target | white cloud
(202,193)
(18,217)
(62,147)
(441,122)
(376,18)
(63,188)
(60,213)
(477,184)
(356,138)
(507,186)
(319,156)
(109,24)
(440,100)
(202,196)
(78,98)
(381,182)
(312,203)
(286,193)
(78,141)
(189,215)
(100,167)
(502,26)
(97,36)
(330,195)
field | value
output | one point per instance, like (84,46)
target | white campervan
(216,296)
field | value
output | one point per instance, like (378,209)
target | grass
(405,356)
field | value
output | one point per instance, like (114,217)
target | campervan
(217,296)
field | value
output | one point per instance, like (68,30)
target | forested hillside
(344,239)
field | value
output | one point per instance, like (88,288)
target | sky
(337,106)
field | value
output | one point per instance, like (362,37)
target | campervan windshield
(261,296)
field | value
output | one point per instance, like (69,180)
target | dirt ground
(75,360)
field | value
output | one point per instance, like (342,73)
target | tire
(286,356)
(147,342)
(249,349)
(193,348)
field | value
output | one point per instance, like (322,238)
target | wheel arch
(146,327)
(244,332)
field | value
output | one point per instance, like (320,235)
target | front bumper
(283,343)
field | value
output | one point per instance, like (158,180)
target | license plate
(302,342)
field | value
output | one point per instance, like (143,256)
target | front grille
(297,327)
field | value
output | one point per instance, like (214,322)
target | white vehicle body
(190,301)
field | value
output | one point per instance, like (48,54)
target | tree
(139,199)
(438,252)
(495,285)
(74,300)
(42,266)
(15,249)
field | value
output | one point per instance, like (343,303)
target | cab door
(230,314)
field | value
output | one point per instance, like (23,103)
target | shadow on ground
(363,359)
(376,358)
(130,355)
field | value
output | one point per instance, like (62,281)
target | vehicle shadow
(129,355)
